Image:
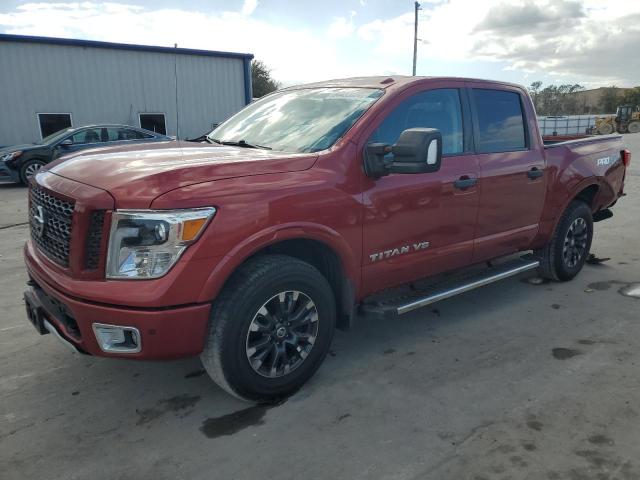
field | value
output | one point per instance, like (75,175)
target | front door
(417,225)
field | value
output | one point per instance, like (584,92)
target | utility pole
(175,76)
(415,37)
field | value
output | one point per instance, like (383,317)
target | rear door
(417,225)
(512,171)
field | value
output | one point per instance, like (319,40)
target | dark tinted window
(134,134)
(115,134)
(500,121)
(431,109)
(91,135)
(154,122)
(53,122)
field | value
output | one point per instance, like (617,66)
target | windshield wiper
(241,143)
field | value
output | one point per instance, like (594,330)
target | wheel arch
(319,246)
(586,191)
(587,195)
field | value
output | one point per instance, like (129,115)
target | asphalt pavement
(518,380)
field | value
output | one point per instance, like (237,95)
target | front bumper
(166,333)
(7,174)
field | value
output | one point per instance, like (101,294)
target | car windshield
(55,136)
(304,120)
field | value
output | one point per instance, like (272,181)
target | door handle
(534,173)
(465,182)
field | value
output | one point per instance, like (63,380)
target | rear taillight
(626,157)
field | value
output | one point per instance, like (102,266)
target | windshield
(306,120)
(55,136)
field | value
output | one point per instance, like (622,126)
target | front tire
(29,169)
(270,328)
(605,129)
(564,256)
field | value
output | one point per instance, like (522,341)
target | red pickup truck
(251,248)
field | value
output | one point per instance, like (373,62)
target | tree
(534,91)
(556,99)
(631,96)
(609,100)
(261,79)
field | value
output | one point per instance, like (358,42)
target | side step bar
(493,275)
(451,287)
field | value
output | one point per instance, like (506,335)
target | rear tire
(564,256)
(634,127)
(269,329)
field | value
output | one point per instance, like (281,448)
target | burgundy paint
(265,197)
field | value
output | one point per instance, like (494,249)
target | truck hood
(136,174)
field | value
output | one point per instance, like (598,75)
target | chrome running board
(450,287)
(493,276)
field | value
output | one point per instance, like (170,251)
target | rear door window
(500,121)
(438,108)
(115,134)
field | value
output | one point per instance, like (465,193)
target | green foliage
(631,97)
(261,80)
(610,100)
(556,99)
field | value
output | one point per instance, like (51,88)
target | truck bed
(578,159)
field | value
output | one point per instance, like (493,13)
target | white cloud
(341,27)
(294,54)
(588,41)
(249,6)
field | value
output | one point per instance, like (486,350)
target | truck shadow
(153,396)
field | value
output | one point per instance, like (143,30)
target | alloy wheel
(32,169)
(575,242)
(282,334)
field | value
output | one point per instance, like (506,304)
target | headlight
(147,243)
(10,156)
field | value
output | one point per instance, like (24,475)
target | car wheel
(605,129)
(270,328)
(563,258)
(29,169)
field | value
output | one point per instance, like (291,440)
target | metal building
(47,84)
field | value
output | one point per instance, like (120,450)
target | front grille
(56,215)
(94,240)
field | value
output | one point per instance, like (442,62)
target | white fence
(567,125)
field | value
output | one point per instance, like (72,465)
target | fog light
(117,339)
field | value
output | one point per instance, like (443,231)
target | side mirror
(66,143)
(418,150)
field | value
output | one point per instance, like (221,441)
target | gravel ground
(513,381)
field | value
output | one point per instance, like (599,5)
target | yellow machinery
(626,120)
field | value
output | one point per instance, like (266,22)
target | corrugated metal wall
(98,85)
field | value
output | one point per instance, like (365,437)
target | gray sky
(592,42)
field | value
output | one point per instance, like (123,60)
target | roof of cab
(388,81)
